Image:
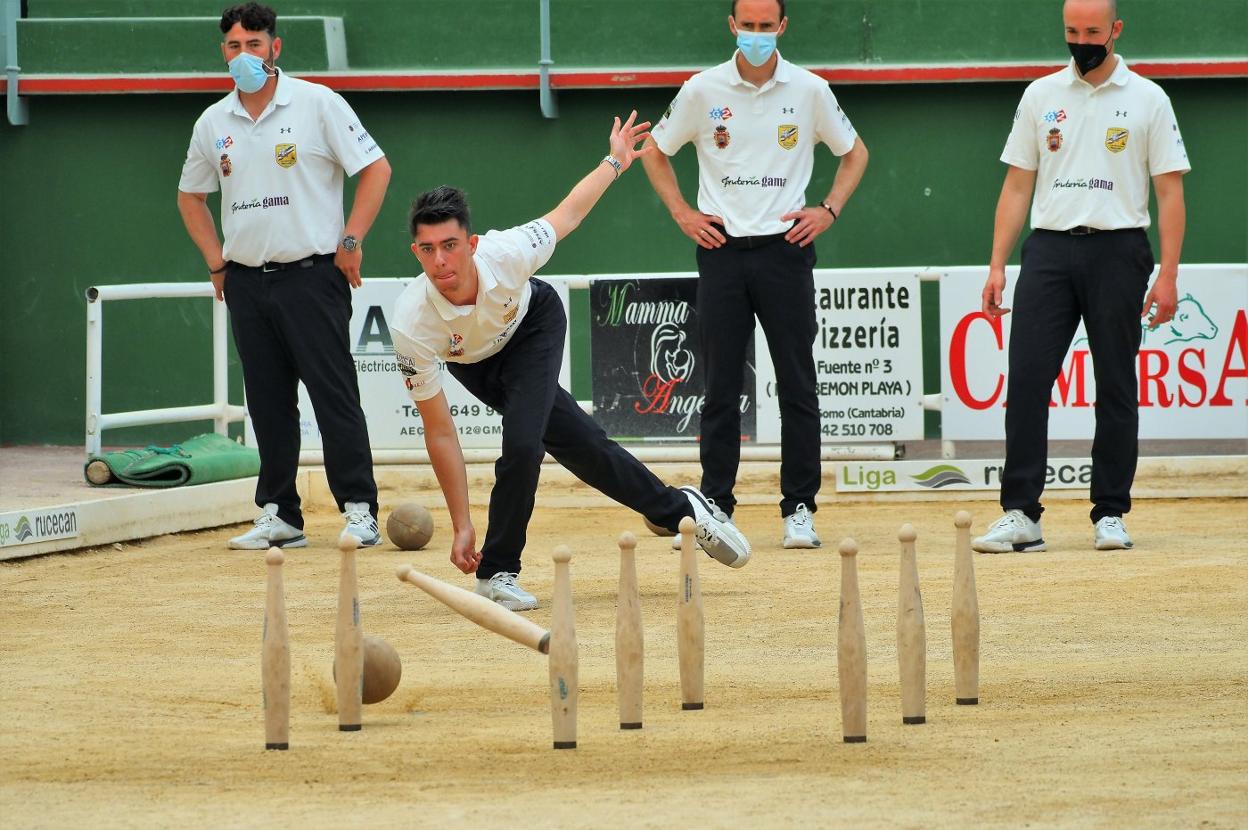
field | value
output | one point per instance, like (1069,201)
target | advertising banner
(868,359)
(1192,372)
(27,527)
(393,421)
(647,379)
(952,475)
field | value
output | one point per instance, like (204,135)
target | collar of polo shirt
(780,76)
(1118,77)
(281,97)
(447,310)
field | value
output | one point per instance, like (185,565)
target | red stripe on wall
(593,79)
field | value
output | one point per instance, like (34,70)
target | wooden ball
(410,526)
(382,669)
(656,530)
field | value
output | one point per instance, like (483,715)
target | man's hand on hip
(811,222)
(703,228)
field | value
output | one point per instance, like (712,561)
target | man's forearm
(848,175)
(663,179)
(1008,224)
(1171,227)
(370,192)
(200,227)
(448,465)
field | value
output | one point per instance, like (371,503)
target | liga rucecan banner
(1192,372)
(647,375)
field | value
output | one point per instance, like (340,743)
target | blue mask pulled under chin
(249,72)
(756,47)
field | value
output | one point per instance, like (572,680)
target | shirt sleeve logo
(1116,139)
(786,136)
(1054,140)
(285,156)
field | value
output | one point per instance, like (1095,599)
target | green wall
(87,190)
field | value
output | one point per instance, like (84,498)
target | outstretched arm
(577,204)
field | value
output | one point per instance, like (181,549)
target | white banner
(393,421)
(1192,372)
(958,474)
(868,359)
(26,527)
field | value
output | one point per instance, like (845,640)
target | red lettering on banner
(957,361)
(1164,398)
(1239,341)
(1193,375)
(1076,378)
(658,395)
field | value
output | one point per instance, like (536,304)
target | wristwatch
(349,243)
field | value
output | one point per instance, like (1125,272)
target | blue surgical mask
(249,72)
(756,46)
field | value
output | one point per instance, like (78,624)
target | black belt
(752,241)
(306,262)
(1082,230)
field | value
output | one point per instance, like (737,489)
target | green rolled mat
(198,460)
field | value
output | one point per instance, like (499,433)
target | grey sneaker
(717,535)
(1013,532)
(799,529)
(1111,534)
(503,589)
(270,532)
(361,524)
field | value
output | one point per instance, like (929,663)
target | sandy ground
(1113,686)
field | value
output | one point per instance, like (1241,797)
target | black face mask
(1089,56)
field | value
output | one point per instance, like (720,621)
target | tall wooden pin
(563,657)
(911,633)
(690,630)
(851,652)
(275,657)
(629,639)
(965,617)
(348,641)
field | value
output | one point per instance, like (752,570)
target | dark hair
(439,205)
(255,17)
(781,2)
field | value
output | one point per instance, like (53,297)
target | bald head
(1103,9)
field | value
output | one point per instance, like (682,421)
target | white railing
(220,412)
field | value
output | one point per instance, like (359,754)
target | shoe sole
(297,542)
(800,544)
(1037,546)
(1114,546)
(512,605)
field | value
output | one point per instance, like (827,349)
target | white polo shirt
(428,329)
(280,176)
(755,145)
(1094,148)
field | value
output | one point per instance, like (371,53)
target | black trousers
(291,325)
(522,382)
(775,283)
(1100,278)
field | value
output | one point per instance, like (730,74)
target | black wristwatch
(349,243)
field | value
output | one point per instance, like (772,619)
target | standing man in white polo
(754,122)
(277,148)
(1085,142)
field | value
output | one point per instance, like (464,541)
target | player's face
(445,252)
(1089,21)
(260,44)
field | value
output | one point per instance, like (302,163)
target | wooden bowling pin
(965,617)
(563,656)
(851,653)
(348,641)
(629,648)
(690,631)
(911,633)
(275,657)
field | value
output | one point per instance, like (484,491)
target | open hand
(625,138)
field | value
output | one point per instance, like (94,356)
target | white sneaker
(361,524)
(1013,532)
(717,535)
(799,529)
(729,519)
(503,589)
(1111,534)
(270,532)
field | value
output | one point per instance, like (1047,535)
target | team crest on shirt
(1116,139)
(284,154)
(786,136)
(1054,140)
(721,136)
(510,314)
(457,346)
(227,167)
